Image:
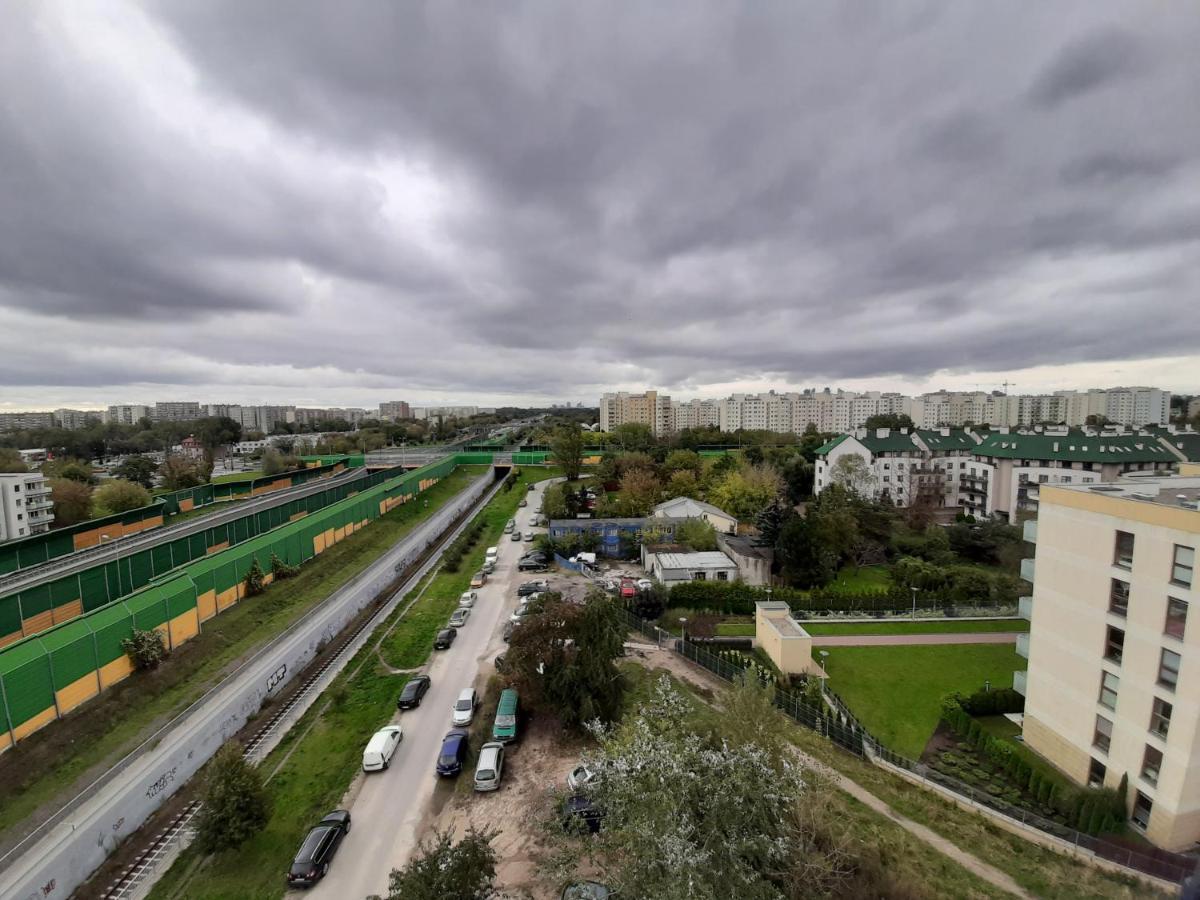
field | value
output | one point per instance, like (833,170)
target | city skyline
(894,199)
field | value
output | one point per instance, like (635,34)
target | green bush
(255,581)
(145,648)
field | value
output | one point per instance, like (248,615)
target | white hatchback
(464,709)
(467,600)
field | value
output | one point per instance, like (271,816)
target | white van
(490,767)
(492,553)
(381,747)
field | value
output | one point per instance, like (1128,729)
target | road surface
(388,807)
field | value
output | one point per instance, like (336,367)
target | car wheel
(386,764)
(348,822)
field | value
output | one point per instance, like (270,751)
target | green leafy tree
(216,431)
(852,472)
(10,460)
(697,534)
(272,462)
(255,580)
(145,648)
(641,490)
(894,421)
(634,436)
(683,483)
(567,447)
(138,469)
(118,496)
(179,472)
(746,491)
(804,558)
(72,501)
(236,803)
(445,870)
(71,469)
(683,461)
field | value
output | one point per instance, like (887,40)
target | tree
(72,501)
(179,472)
(272,462)
(567,447)
(804,559)
(71,469)
(11,461)
(563,658)
(145,648)
(641,490)
(745,491)
(634,436)
(894,421)
(444,870)
(770,523)
(236,803)
(216,431)
(683,483)
(138,469)
(852,472)
(255,580)
(117,496)
(697,534)
(683,461)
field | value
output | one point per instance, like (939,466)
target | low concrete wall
(73,849)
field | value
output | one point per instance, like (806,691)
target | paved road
(70,563)
(388,807)
(897,640)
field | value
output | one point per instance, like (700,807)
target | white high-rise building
(695,414)
(126,415)
(650,408)
(25,505)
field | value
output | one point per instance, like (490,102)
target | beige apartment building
(1113,683)
(650,408)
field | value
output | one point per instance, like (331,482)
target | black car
(312,862)
(454,752)
(532,564)
(410,697)
(580,811)
(532,587)
(445,638)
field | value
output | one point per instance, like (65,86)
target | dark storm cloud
(479,198)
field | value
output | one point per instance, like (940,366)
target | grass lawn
(856,580)
(237,476)
(896,692)
(734,629)
(917,627)
(114,723)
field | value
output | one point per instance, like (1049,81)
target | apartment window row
(1183,559)
(1118,605)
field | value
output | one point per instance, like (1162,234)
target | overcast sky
(339,203)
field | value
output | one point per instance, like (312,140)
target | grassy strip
(237,476)
(1041,871)
(45,766)
(896,692)
(322,753)
(407,648)
(917,627)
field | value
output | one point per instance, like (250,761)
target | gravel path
(899,640)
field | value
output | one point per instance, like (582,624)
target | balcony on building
(1027,570)
(1025,608)
(1029,530)
(1019,682)
(1023,645)
(37,488)
(34,503)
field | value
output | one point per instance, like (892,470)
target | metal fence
(835,721)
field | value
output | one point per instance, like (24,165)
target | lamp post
(683,627)
(914,610)
(825,667)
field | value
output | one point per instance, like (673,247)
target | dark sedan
(454,752)
(410,697)
(445,638)
(581,812)
(312,862)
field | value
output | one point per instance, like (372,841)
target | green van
(505,727)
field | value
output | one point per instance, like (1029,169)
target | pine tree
(255,580)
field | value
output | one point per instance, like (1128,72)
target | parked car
(628,590)
(533,587)
(509,627)
(518,614)
(532,564)
(492,553)
(378,754)
(489,566)
(464,707)
(587,890)
(504,728)
(478,580)
(445,638)
(644,584)
(516,536)
(578,811)
(528,537)
(490,768)
(468,599)
(454,752)
(410,697)
(459,617)
(311,863)
(579,777)
(509,526)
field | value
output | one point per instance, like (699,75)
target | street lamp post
(824,667)
(914,610)
(683,627)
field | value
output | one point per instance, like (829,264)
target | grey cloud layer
(589,193)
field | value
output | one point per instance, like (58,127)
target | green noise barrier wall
(48,674)
(41,548)
(34,609)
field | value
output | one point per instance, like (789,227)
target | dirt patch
(943,738)
(534,769)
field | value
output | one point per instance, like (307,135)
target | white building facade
(25,505)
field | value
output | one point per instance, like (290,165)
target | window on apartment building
(1087,467)
(1160,717)
(16,488)
(20,531)
(1109,684)
(1142,807)
(1096,772)
(1168,669)
(1118,597)
(722,576)
(1151,764)
(1102,738)
(1176,617)
(1114,645)
(1181,569)
(20,517)
(1066,479)
(1042,479)
(1123,550)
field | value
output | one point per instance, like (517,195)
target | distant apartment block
(25,505)
(74,419)
(126,415)
(695,414)
(650,408)
(1113,683)
(444,412)
(1193,408)
(311,416)
(176,411)
(394,410)
(22,421)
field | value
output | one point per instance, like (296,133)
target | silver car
(459,618)
(490,768)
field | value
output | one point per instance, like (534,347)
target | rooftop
(1076,446)
(1178,490)
(708,559)
(689,503)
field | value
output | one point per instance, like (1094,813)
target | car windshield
(463,703)
(506,721)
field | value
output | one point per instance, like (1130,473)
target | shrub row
(738,598)
(1090,810)
(462,545)
(993,703)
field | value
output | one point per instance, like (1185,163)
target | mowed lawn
(861,580)
(917,627)
(896,692)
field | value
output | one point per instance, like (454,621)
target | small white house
(687,508)
(674,568)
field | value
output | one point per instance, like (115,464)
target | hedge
(738,598)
